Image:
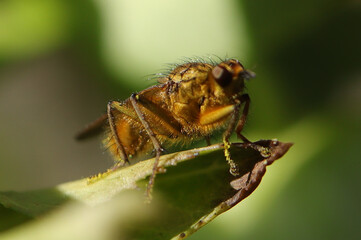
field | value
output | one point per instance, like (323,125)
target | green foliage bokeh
(61,61)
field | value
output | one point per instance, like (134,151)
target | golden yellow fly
(193,101)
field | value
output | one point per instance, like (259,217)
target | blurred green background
(61,61)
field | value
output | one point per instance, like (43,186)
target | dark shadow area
(10,218)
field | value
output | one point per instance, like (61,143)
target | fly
(190,103)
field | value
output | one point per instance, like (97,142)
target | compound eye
(222,76)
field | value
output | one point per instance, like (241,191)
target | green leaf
(196,187)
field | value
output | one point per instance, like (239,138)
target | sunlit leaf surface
(195,188)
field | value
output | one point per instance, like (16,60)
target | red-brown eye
(222,76)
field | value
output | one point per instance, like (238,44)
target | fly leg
(232,126)
(121,151)
(112,105)
(227,134)
(157,146)
(246,100)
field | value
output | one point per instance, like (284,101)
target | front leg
(227,134)
(212,116)
(246,100)
(232,125)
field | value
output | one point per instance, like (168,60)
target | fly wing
(92,129)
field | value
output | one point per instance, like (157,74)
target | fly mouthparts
(247,74)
